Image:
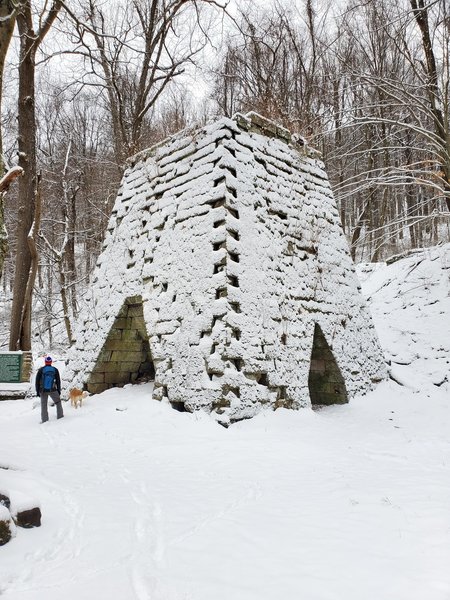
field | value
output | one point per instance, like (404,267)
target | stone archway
(125,356)
(325,382)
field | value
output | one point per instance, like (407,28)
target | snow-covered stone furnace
(225,277)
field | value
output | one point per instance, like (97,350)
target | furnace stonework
(226,278)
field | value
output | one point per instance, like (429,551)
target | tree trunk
(48,304)
(420,12)
(7,9)
(20,332)
(70,251)
(3,237)
(31,240)
(6,30)
(65,303)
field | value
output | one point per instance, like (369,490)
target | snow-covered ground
(141,502)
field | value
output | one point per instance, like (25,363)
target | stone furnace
(226,278)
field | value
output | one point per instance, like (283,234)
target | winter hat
(48,360)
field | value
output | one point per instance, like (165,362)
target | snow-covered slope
(411,308)
(141,502)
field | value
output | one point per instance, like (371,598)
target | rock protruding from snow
(4,500)
(231,238)
(29,518)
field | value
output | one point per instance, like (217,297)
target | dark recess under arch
(325,382)
(125,356)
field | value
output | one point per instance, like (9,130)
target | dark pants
(44,401)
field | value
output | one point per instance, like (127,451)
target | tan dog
(77,396)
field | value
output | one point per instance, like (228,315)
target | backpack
(48,378)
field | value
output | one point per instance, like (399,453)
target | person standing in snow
(48,383)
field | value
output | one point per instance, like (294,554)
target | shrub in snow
(7,527)
(226,277)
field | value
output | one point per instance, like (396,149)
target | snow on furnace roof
(226,277)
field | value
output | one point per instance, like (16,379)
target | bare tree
(370,91)
(30,40)
(5,182)
(135,53)
(7,22)
(59,256)
(393,134)
(273,65)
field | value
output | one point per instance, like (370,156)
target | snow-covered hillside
(141,502)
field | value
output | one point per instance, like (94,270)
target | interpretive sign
(10,367)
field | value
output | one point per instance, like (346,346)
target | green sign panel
(10,367)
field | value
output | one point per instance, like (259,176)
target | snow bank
(410,302)
(352,501)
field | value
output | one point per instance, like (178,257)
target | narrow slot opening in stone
(218,268)
(235,307)
(262,379)
(236,334)
(218,203)
(237,363)
(178,406)
(278,213)
(281,394)
(212,373)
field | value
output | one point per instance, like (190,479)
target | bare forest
(85,84)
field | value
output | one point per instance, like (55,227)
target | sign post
(15,367)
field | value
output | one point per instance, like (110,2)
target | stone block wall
(27,366)
(231,236)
